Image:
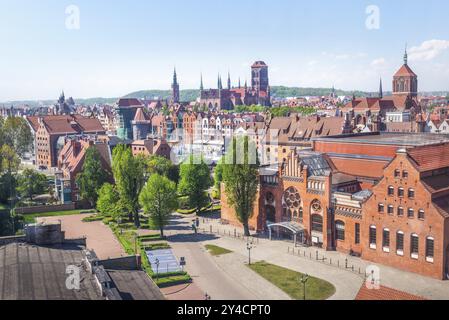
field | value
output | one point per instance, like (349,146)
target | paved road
(223,278)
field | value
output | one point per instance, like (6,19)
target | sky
(109,48)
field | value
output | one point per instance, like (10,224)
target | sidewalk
(281,253)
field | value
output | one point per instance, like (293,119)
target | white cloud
(380,62)
(428,50)
(344,56)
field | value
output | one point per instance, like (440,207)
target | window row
(398,174)
(400,236)
(401,192)
(400,211)
(340,231)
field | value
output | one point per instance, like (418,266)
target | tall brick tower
(259,77)
(405,81)
(175,88)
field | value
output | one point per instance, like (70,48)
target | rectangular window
(405,174)
(411,213)
(430,247)
(381,208)
(411,193)
(421,215)
(386,239)
(400,243)
(400,212)
(414,246)
(340,229)
(373,237)
(357,233)
(397,174)
(401,192)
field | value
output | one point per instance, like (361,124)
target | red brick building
(47,131)
(384,197)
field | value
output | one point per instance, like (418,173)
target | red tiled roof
(67,124)
(140,115)
(430,157)
(129,102)
(405,71)
(384,293)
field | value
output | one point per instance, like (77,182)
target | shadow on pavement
(191,238)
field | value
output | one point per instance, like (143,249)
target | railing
(335,262)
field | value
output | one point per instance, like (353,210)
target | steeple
(201,85)
(406,56)
(229,80)
(175,88)
(219,84)
(381,93)
(175,77)
(240,85)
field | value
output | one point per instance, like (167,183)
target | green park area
(217,251)
(289,281)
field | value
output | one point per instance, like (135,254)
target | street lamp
(303,280)
(249,247)
(157,269)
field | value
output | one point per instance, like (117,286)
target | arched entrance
(270,208)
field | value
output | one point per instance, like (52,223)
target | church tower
(405,81)
(175,88)
(259,76)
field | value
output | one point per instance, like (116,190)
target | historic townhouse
(49,129)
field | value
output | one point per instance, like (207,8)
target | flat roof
(135,285)
(29,272)
(389,138)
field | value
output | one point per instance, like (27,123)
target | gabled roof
(405,71)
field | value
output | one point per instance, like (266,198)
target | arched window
(411,193)
(269,198)
(317,223)
(391,191)
(421,214)
(411,213)
(291,202)
(397,173)
(390,209)
(400,211)
(340,230)
(414,246)
(316,206)
(400,192)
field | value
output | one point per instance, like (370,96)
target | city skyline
(122,48)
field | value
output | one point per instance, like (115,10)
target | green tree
(163,167)
(108,203)
(240,176)
(17,134)
(195,180)
(129,175)
(218,175)
(92,176)
(31,182)
(159,199)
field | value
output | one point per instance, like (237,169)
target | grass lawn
(31,218)
(289,282)
(217,251)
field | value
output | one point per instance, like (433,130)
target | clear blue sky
(124,46)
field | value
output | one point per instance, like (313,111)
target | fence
(335,262)
(230,234)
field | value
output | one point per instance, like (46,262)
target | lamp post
(157,269)
(249,247)
(303,280)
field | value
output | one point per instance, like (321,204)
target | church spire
(201,84)
(175,77)
(175,88)
(240,85)
(406,56)
(381,93)
(229,80)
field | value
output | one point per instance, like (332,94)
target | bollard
(330,260)
(346,263)
(317,254)
(235,233)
